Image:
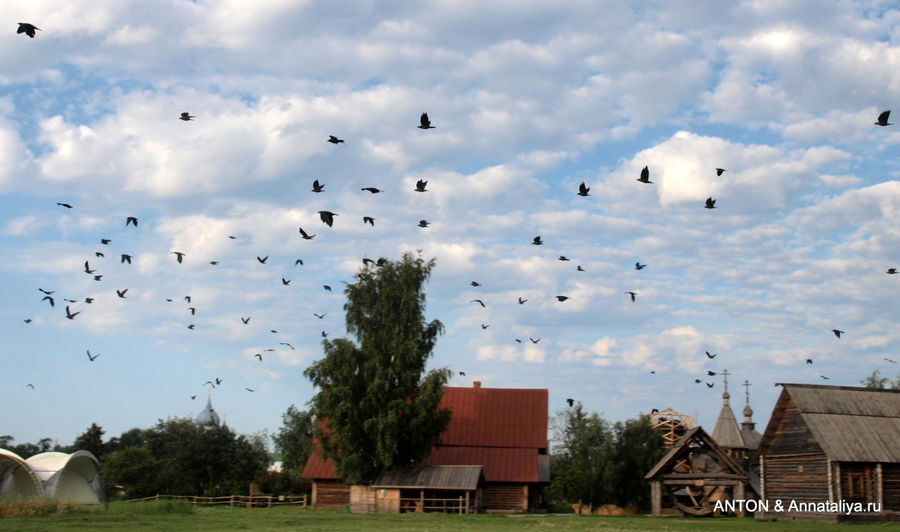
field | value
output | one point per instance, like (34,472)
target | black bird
(522,301)
(423,223)
(883,118)
(889,360)
(367,261)
(213,262)
(125,258)
(570,401)
(317,187)
(259,356)
(639,266)
(47,292)
(273,331)
(563,258)
(720,171)
(131,220)
(218,381)
(632,294)
(27,29)
(27,320)
(208,382)
(711,373)
(263,259)
(326,287)
(87,268)
(562,298)
(533,340)
(305,235)
(711,356)
(187,298)
(298,261)
(90,357)
(88,300)
(179,256)
(70,300)
(248,389)
(583,189)
(324,334)
(71,315)
(320,316)
(287,344)
(480,302)
(193,310)
(121,293)
(50,299)
(837,333)
(462,373)
(98,277)
(645,176)
(30,386)
(824,377)
(381,261)
(809,361)
(334,140)
(99,254)
(193,397)
(420,185)
(186,116)
(536,241)
(327,217)
(232,237)
(424,122)
(191,326)
(710,384)
(285,282)
(66,205)
(105,241)
(245,320)
(373,190)
(697,381)
(710,203)
(483,326)
(579,268)
(891,271)
(475,283)
(369,220)
(518,340)
(654,411)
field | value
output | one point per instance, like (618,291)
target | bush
(152,507)
(16,508)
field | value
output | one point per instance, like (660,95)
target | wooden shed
(447,489)
(694,475)
(832,444)
(502,430)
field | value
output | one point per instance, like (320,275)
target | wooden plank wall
(792,435)
(505,497)
(362,499)
(785,480)
(862,489)
(890,487)
(330,495)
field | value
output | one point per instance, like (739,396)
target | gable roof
(851,424)
(455,477)
(726,432)
(693,438)
(504,430)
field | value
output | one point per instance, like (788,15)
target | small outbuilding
(72,477)
(447,489)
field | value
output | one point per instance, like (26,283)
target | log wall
(890,487)
(792,436)
(858,482)
(505,497)
(799,478)
(330,495)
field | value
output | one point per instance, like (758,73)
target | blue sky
(529,99)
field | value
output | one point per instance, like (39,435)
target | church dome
(208,417)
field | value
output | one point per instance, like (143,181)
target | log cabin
(832,444)
(504,431)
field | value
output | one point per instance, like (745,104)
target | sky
(528,100)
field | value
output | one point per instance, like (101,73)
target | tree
(638,448)
(875,380)
(376,409)
(295,439)
(90,440)
(582,457)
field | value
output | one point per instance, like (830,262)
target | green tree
(90,440)
(294,439)
(582,457)
(638,448)
(376,408)
(875,380)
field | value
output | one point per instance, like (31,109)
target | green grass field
(135,517)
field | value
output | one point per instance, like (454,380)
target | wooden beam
(656,497)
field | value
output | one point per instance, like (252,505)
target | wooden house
(503,431)
(831,444)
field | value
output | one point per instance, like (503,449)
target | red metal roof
(500,429)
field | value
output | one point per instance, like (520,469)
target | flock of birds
(328,219)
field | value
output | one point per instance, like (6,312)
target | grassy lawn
(134,519)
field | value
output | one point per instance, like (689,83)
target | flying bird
(632,294)
(697,381)
(208,382)
(193,310)
(809,361)
(720,171)
(645,176)
(562,298)
(298,261)
(420,185)
(50,299)
(71,315)
(27,29)
(179,256)
(27,320)
(90,357)
(711,373)
(88,300)
(423,223)
(583,189)
(87,268)
(317,187)
(710,384)
(891,271)
(98,277)
(248,389)
(218,381)
(579,268)
(245,320)
(273,331)
(259,356)
(475,283)
(536,241)
(213,262)
(285,282)
(66,205)
(327,217)
(193,397)
(483,326)
(837,333)
(186,116)
(131,220)
(324,334)
(824,377)
(326,287)
(187,298)
(99,254)
(480,302)
(533,340)
(232,237)
(373,190)
(47,292)
(263,259)
(639,266)
(334,140)
(125,258)
(287,344)
(369,220)
(883,118)
(889,360)
(191,326)
(305,235)
(30,386)
(121,293)
(570,401)
(518,340)
(424,122)
(320,316)
(105,241)
(563,258)
(710,203)
(711,356)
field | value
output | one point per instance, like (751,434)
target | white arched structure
(72,477)
(17,480)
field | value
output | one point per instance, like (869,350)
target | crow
(424,122)
(837,333)
(334,140)
(263,259)
(90,357)
(125,258)
(327,217)
(259,356)
(536,241)
(711,356)
(480,302)
(317,187)
(639,266)
(186,116)
(71,315)
(27,29)
(882,118)
(373,190)
(121,293)
(131,220)
(570,401)
(66,205)
(632,294)
(306,236)
(710,203)
(645,176)
(583,189)
(245,320)
(179,256)
(562,298)
(420,185)
(423,223)
(369,220)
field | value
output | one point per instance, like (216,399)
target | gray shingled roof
(851,424)
(726,432)
(458,477)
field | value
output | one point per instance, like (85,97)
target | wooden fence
(418,504)
(256,501)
